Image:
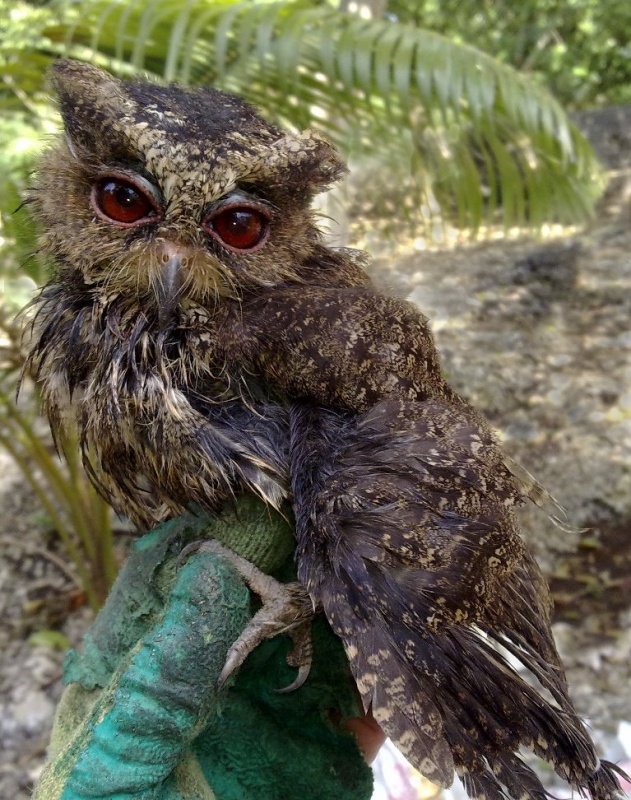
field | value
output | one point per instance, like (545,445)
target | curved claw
(234,659)
(270,621)
(301,677)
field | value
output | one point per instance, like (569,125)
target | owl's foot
(301,653)
(287,608)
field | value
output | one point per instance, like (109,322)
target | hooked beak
(167,289)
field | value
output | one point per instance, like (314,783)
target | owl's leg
(287,608)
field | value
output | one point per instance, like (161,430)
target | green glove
(142,718)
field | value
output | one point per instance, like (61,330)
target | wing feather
(407,539)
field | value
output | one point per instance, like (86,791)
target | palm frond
(485,135)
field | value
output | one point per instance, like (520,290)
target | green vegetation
(71,505)
(479,139)
(579,49)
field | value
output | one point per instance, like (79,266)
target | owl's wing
(406,538)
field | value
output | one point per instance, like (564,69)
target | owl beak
(167,289)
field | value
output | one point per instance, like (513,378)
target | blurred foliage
(476,138)
(72,506)
(580,49)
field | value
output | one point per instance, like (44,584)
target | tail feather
(518,778)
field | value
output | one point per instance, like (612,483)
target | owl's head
(177,195)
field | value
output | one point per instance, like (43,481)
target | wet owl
(203,342)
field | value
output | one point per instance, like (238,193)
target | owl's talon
(287,608)
(300,655)
(301,677)
(236,656)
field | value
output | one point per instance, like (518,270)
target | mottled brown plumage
(204,342)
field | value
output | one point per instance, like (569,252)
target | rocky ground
(537,333)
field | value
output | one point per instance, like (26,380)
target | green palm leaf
(484,136)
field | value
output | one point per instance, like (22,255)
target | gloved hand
(141,716)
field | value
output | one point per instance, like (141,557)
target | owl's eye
(239,227)
(122,202)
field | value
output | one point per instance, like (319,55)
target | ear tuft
(304,160)
(87,96)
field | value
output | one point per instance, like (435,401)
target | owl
(203,342)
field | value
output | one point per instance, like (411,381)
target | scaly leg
(287,608)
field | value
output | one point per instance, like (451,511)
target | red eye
(239,227)
(121,201)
